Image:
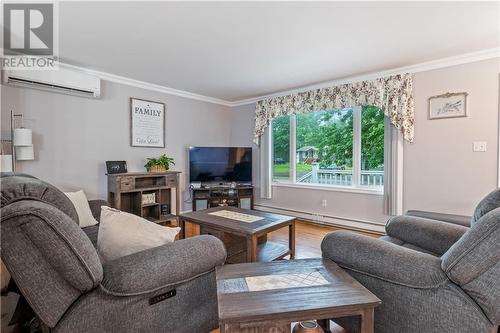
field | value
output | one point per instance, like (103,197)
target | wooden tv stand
(217,195)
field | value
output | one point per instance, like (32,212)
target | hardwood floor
(308,239)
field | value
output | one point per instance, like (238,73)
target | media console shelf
(126,192)
(214,196)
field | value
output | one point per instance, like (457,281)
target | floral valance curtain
(393,94)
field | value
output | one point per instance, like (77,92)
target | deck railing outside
(342,177)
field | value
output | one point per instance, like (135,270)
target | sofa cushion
(121,234)
(79,200)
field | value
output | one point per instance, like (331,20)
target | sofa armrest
(431,235)
(163,266)
(450,218)
(95,207)
(383,260)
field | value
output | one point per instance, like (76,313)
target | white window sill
(350,189)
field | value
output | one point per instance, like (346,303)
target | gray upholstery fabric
(474,263)
(383,259)
(420,291)
(16,188)
(490,202)
(407,245)
(49,257)
(431,235)
(15,174)
(416,294)
(450,218)
(58,271)
(162,266)
(95,208)
(192,310)
(93,231)
(445,309)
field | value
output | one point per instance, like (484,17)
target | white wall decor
(147,123)
(449,105)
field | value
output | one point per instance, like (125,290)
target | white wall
(74,136)
(441,173)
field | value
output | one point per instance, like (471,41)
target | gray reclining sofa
(56,267)
(435,273)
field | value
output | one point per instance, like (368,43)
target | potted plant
(160,164)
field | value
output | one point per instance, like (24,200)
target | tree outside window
(333,147)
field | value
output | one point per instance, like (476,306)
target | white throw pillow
(121,234)
(79,200)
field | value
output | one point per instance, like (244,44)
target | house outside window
(333,148)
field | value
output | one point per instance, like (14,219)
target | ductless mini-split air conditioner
(62,80)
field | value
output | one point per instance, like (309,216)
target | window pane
(281,148)
(372,146)
(324,147)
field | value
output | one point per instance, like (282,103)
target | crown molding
(421,67)
(148,86)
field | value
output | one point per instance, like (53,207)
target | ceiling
(239,50)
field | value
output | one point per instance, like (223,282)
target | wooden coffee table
(240,230)
(268,297)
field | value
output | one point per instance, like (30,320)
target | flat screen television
(220,164)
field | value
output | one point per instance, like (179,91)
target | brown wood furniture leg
(291,239)
(262,239)
(325,325)
(367,321)
(252,248)
(182,225)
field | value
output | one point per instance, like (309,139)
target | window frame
(356,187)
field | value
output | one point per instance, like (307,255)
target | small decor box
(148,198)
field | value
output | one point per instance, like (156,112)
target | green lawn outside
(281,171)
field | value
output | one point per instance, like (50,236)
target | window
(343,148)
(281,148)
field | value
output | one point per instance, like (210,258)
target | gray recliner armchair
(56,267)
(432,271)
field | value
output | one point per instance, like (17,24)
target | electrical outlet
(479,146)
(323,203)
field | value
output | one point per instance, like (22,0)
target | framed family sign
(147,124)
(449,105)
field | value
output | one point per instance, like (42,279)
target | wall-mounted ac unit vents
(62,80)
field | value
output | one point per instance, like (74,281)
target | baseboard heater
(334,221)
